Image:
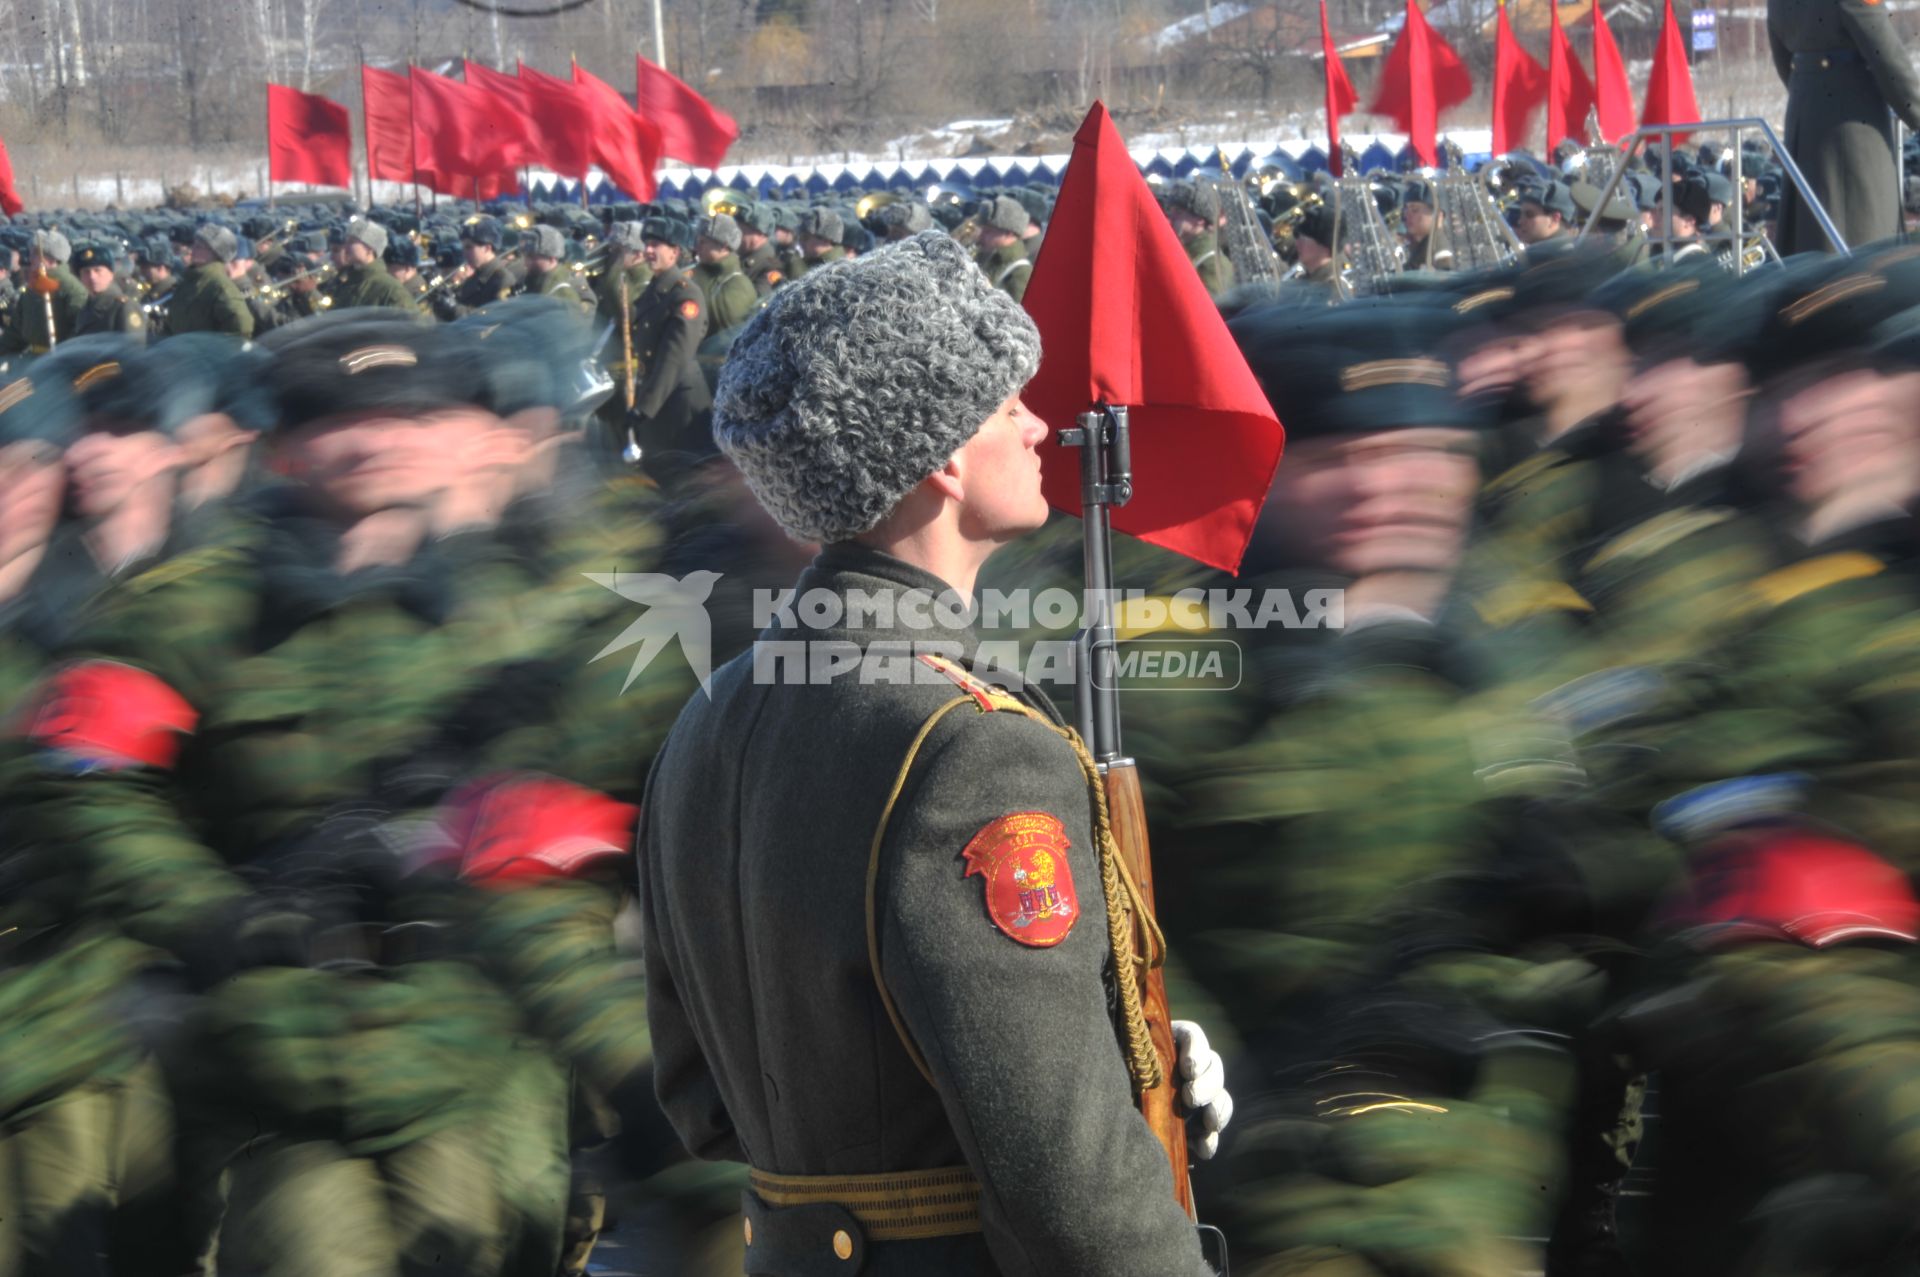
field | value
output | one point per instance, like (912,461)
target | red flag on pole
(1125,321)
(1612,96)
(10,201)
(386,102)
(309,139)
(461,143)
(1340,95)
(692,129)
(559,123)
(1670,97)
(625,146)
(1569,91)
(1519,86)
(1422,77)
(508,98)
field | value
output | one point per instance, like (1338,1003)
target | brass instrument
(721,199)
(865,206)
(278,290)
(1246,244)
(1468,225)
(1370,255)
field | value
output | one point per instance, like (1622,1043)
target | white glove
(1202,1078)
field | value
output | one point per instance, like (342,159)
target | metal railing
(1736,238)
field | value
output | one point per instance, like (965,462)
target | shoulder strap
(1133,934)
(1011,267)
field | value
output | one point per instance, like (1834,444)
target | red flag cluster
(1423,76)
(470,137)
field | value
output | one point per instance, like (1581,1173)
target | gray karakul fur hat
(861,378)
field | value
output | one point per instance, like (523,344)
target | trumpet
(721,199)
(279,290)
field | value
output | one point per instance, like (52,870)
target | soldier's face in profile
(1384,501)
(999,469)
(1852,438)
(1678,409)
(364,464)
(1185,224)
(106,469)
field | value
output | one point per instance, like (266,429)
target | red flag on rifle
(1612,97)
(1341,98)
(1423,76)
(386,101)
(309,139)
(1519,86)
(1124,320)
(1569,91)
(692,129)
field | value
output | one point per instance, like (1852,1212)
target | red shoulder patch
(112,716)
(689,310)
(1029,885)
(525,826)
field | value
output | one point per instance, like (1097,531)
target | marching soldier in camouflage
(50,290)
(206,298)
(108,310)
(1194,210)
(929,958)
(759,256)
(731,296)
(365,281)
(1002,254)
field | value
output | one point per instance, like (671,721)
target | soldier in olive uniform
(403,263)
(904,219)
(1313,247)
(669,323)
(108,310)
(1002,254)
(731,296)
(818,235)
(1194,210)
(626,276)
(1848,76)
(1546,213)
(365,282)
(928,948)
(28,328)
(490,280)
(1417,215)
(547,273)
(206,299)
(759,257)
(786,241)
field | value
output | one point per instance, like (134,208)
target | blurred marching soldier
(207,299)
(731,296)
(108,310)
(490,280)
(155,263)
(1847,75)
(365,281)
(365,1098)
(669,323)
(818,235)
(623,281)
(547,273)
(874,409)
(1194,210)
(1002,254)
(28,329)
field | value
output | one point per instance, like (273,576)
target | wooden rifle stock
(1127,813)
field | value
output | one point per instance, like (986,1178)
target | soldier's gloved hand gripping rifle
(1136,356)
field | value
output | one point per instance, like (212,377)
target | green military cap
(1586,198)
(356,362)
(1198,198)
(38,406)
(1563,276)
(668,230)
(1695,309)
(1003,212)
(825,224)
(1360,367)
(1828,308)
(760,218)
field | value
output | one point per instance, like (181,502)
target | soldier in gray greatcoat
(1847,75)
(895,1009)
